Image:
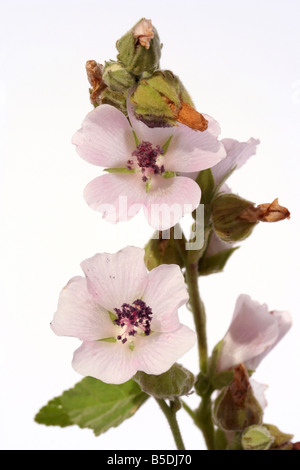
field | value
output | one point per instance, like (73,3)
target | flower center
(146,158)
(133,318)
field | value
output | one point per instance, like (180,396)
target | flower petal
(169,199)
(114,279)
(106,138)
(156,353)
(191,150)
(259,392)
(165,293)
(79,315)
(253,331)
(237,155)
(110,362)
(118,196)
(213,126)
(284,323)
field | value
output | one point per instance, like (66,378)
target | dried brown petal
(94,74)
(144,32)
(268,212)
(189,116)
(240,385)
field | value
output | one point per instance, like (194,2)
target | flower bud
(140,48)
(256,438)
(269,212)
(116,77)
(163,99)
(236,408)
(114,98)
(94,74)
(176,382)
(226,210)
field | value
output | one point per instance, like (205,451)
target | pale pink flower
(126,317)
(254,331)
(144,173)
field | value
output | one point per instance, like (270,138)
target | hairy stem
(198,310)
(203,419)
(170,414)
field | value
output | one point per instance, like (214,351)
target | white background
(240,62)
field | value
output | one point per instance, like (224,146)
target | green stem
(188,409)
(170,414)
(198,310)
(203,415)
(203,419)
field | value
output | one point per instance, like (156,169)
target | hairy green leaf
(93,404)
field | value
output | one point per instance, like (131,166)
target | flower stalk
(170,414)
(198,310)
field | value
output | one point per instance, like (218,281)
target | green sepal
(135,57)
(202,385)
(215,263)
(137,142)
(158,98)
(218,380)
(93,404)
(119,170)
(148,185)
(169,174)
(226,209)
(108,340)
(162,251)
(166,145)
(221,379)
(174,383)
(148,101)
(114,98)
(220,440)
(116,77)
(256,438)
(282,441)
(113,316)
(206,182)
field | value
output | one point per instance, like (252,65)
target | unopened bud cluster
(157,96)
